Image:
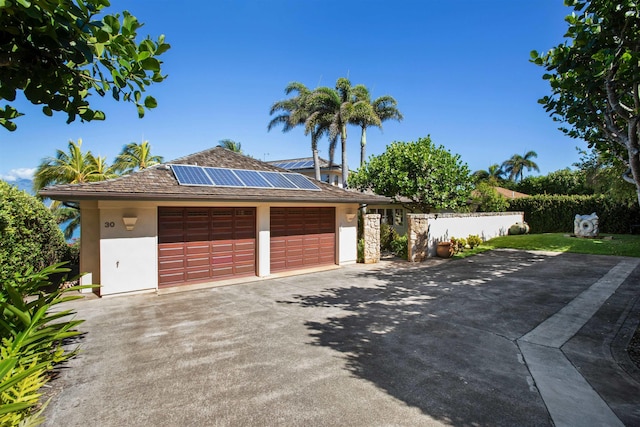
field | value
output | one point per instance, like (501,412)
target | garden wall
(426,230)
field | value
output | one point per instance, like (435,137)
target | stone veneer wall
(418,231)
(426,230)
(371,238)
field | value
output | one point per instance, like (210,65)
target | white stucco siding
(128,258)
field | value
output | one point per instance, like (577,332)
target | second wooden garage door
(302,238)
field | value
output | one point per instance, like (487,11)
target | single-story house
(213,217)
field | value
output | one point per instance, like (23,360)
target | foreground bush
(555,214)
(31,341)
(29,236)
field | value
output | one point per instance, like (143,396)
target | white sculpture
(586,225)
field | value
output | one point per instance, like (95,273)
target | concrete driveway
(502,338)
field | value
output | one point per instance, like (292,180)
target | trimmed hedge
(555,214)
(29,236)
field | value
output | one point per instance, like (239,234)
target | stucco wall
(487,225)
(128,259)
(347,234)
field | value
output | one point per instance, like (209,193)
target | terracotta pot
(445,250)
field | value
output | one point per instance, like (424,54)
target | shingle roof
(159,183)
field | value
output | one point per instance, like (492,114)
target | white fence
(444,226)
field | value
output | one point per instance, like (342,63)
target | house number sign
(109,224)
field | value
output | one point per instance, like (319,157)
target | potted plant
(445,249)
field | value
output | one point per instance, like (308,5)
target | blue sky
(460,72)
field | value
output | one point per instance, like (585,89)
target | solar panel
(252,178)
(301,181)
(308,164)
(278,180)
(280,164)
(224,177)
(190,175)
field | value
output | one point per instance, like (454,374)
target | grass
(611,244)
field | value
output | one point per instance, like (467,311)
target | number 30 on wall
(109,224)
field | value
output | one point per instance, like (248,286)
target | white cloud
(20,173)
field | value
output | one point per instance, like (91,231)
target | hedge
(29,236)
(555,214)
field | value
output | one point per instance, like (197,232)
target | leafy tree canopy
(563,181)
(59,52)
(417,175)
(595,79)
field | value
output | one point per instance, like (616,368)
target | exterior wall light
(350,215)
(129,222)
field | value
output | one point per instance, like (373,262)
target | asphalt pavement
(504,338)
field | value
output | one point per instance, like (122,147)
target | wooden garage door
(205,244)
(302,238)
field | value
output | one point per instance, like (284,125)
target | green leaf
(150,102)
(140,111)
(151,64)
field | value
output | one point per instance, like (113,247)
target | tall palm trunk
(363,146)
(345,166)
(316,158)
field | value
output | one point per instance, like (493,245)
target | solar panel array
(296,164)
(221,177)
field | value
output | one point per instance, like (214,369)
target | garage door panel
(201,244)
(302,238)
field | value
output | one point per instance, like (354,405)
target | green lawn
(610,244)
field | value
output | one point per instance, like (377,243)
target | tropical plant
(338,107)
(595,80)
(134,157)
(230,145)
(294,112)
(72,167)
(417,175)
(494,174)
(59,53)
(602,175)
(29,236)
(32,336)
(516,165)
(487,198)
(382,109)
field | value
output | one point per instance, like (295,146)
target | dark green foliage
(29,236)
(387,234)
(400,246)
(555,214)
(59,53)
(564,181)
(360,250)
(487,199)
(418,175)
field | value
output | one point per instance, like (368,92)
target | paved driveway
(440,343)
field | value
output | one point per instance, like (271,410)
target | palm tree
(230,145)
(494,174)
(134,157)
(337,108)
(384,108)
(516,165)
(71,167)
(294,112)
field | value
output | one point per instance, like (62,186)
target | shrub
(474,240)
(488,200)
(387,234)
(400,246)
(459,244)
(360,251)
(555,214)
(29,236)
(31,341)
